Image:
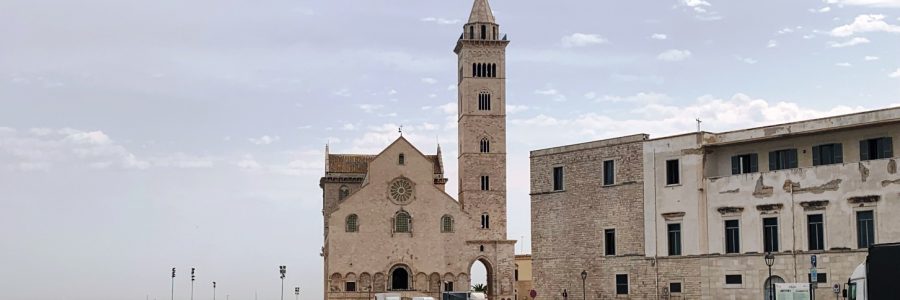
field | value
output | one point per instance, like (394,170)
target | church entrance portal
(400,279)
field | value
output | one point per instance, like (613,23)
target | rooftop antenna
(698,124)
(400,130)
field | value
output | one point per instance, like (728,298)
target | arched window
(446,224)
(474,70)
(483,70)
(343,193)
(495,32)
(401,159)
(352,223)
(402,222)
(493,70)
(483,32)
(485,145)
(484,101)
(489,73)
(485,221)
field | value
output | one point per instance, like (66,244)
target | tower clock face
(401,191)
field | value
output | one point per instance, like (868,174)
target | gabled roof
(359,163)
(481,12)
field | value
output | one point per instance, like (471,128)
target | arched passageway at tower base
(482,272)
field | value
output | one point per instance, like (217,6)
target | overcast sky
(140,135)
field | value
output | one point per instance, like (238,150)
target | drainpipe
(794,232)
(655,226)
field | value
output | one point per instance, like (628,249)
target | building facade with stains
(710,205)
(389,225)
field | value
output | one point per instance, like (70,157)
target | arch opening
(767,288)
(400,279)
(482,277)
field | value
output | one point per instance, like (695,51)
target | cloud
(772,44)
(343,93)
(514,109)
(896,74)
(702,9)
(555,94)
(264,140)
(844,64)
(870,58)
(698,5)
(441,21)
(370,108)
(642,97)
(870,3)
(820,10)
(582,40)
(746,60)
(852,42)
(865,23)
(43,148)
(590,95)
(428,80)
(349,127)
(659,36)
(673,55)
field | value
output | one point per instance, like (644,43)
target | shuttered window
(743,164)
(876,148)
(782,159)
(828,154)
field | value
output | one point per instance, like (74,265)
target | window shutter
(817,155)
(864,150)
(772,165)
(838,153)
(735,165)
(888,148)
(792,158)
(754,163)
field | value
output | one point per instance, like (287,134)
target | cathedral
(389,224)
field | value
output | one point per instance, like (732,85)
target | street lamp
(565,294)
(370,291)
(297,292)
(173,283)
(770,260)
(214,290)
(282,270)
(192,283)
(583,278)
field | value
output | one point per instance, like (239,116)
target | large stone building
(692,216)
(390,225)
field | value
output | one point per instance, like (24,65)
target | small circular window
(401,191)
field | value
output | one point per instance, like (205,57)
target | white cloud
(392,92)
(697,5)
(820,10)
(264,140)
(441,21)
(642,97)
(343,93)
(870,58)
(248,163)
(370,108)
(43,148)
(429,80)
(865,23)
(555,94)
(349,127)
(852,42)
(844,64)
(673,55)
(659,36)
(871,3)
(772,44)
(746,60)
(785,30)
(590,95)
(582,39)
(702,9)
(896,74)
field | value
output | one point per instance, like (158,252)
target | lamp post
(297,292)
(565,294)
(370,291)
(770,260)
(173,283)
(214,290)
(583,278)
(192,283)
(282,270)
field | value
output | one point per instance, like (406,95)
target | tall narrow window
(609,237)
(732,236)
(484,101)
(494,70)
(485,221)
(865,229)
(446,224)
(483,32)
(474,70)
(621,284)
(770,234)
(401,159)
(609,172)
(402,222)
(485,145)
(471,32)
(828,154)
(673,174)
(494,31)
(485,183)
(743,164)
(879,148)
(558,178)
(815,226)
(674,239)
(783,159)
(352,223)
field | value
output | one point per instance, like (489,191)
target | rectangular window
(673,175)
(743,164)
(782,159)
(675,287)
(770,234)
(609,172)
(732,236)
(820,277)
(674,239)
(876,148)
(621,284)
(485,183)
(815,232)
(610,241)
(558,178)
(734,279)
(865,229)
(828,154)
(350,287)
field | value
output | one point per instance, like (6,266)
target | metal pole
(173,283)
(583,294)
(771,285)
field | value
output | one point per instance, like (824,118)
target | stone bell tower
(482,121)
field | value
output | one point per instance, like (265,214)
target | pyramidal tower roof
(481,12)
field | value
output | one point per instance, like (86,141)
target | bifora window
(485,183)
(485,221)
(485,145)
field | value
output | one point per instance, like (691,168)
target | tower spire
(481,13)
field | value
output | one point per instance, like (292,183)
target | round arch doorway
(482,272)
(769,295)
(400,279)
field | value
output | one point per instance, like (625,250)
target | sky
(137,136)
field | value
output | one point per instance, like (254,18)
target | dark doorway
(400,279)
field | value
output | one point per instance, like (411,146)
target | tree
(481,288)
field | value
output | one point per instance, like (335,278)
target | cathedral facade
(389,224)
